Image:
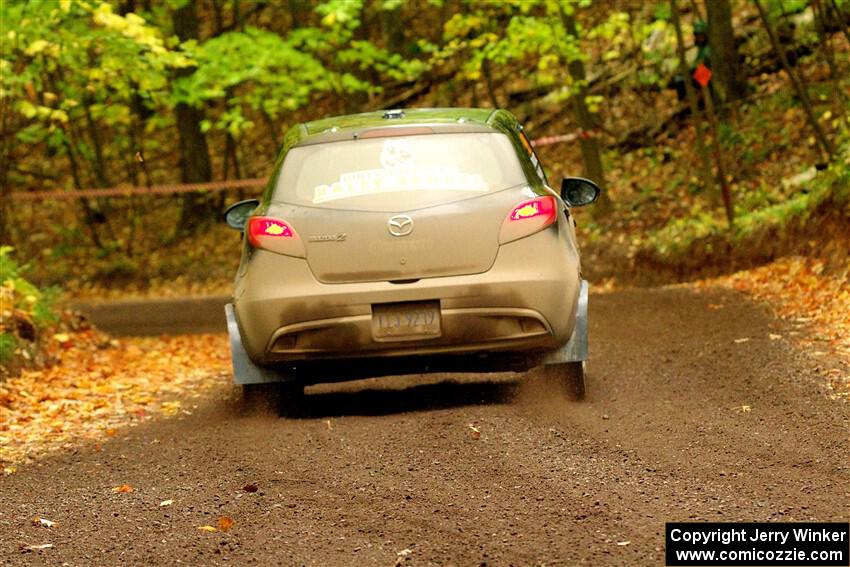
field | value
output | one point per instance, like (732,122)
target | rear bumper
(527,301)
(245,371)
(463,330)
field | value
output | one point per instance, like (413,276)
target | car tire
(569,377)
(283,398)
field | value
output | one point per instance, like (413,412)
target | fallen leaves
(474,432)
(87,288)
(170,408)
(800,292)
(31,548)
(225,523)
(101,386)
(64,339)
(122,488)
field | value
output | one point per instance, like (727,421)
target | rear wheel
(283,398)
(568,376)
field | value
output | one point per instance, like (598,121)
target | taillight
(529,217)
(274,235)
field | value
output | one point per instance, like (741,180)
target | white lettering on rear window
(399,173)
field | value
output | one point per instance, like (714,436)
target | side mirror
(236,215)
(578,191)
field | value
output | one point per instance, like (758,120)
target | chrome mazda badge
(400,225)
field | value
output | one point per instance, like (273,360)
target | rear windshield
(399,172)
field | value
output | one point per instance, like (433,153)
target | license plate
(406,321)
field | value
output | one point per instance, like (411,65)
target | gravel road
(683,421)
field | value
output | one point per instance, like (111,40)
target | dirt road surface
(684,421)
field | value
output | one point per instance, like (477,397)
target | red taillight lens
(544,206)
(529,217)
(274,235)
(265,226)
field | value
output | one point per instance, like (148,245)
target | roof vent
(393,114)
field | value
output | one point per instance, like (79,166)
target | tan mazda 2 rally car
(403,242)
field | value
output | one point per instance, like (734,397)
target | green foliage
(19,294)
(529,34)
(79,70)
(86,88)
(78,58)
(658,47)
(776,8)
(663,11)
(365,55)
(759,213)
(8,342)
(265,73)
(21,305)
(81,74)
(680,233)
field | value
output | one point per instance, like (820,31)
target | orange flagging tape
(67,195)
(60,195)
(549,140)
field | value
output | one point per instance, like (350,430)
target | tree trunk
(802,94)
(487,73)
(195,165)
(822,20)
(98,163)
(588,141)
(707,178)
(5,162)
(725,191)
(392,29)
(300,12)
(274,134)
(91,215)
(842,19)
(725,61)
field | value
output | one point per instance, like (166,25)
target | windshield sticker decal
(396,153)
(399,173)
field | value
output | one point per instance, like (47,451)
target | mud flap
(244,369)
(575,349)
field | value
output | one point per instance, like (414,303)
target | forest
(718,367)
(718,129)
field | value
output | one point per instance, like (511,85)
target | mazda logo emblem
(400,225)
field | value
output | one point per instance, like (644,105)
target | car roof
(350,126)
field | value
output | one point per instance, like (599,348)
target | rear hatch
(400,208)
(353,246)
